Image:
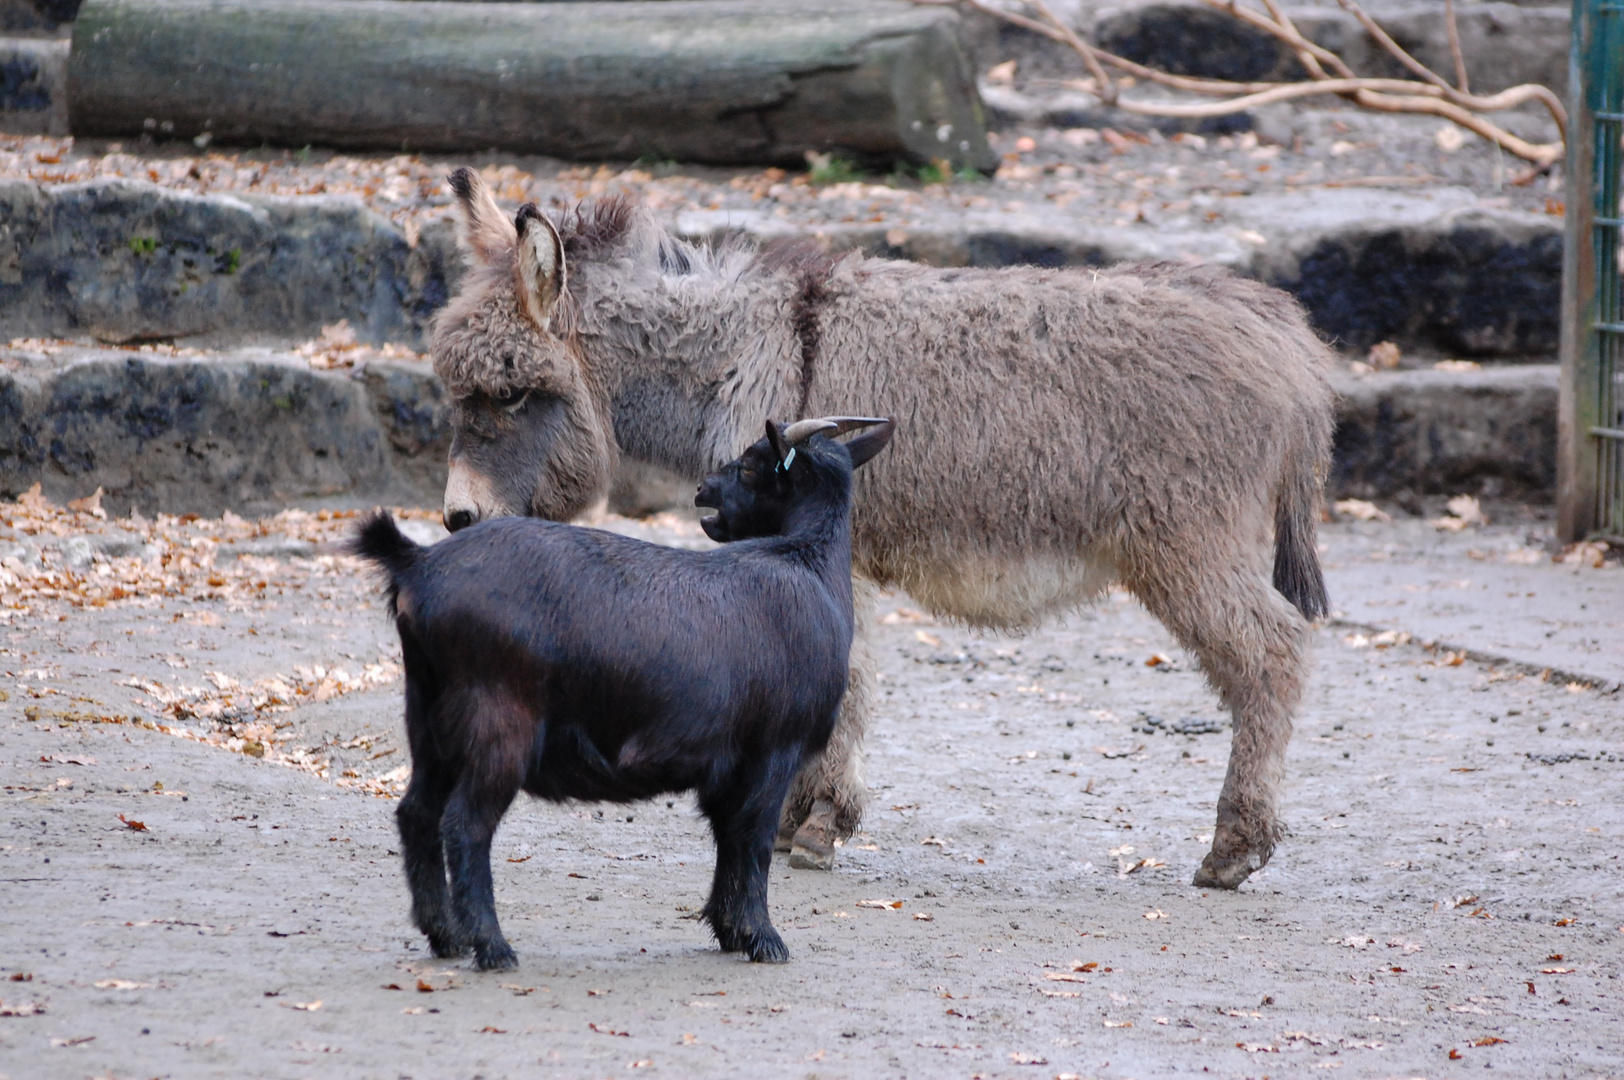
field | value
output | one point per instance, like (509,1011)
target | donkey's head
(530,430)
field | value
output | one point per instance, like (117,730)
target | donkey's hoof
(1223,872)
(814,844)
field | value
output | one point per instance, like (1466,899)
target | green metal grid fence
(1591,485)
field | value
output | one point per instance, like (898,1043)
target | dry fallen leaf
(1383,356)
(121,984)
(609,1031)
(304,1006)
(1017,1057)
(1464,512)
(1119,1023)
(21,1008)
(923,916)
(925,638)
(883,905)
(1487,1040)
(1360,510)
(133,826)
(1156,913)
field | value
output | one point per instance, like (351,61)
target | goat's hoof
(447,946)
(497,956)
(785,840)
(814,844)
(767,948)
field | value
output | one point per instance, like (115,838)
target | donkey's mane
(597,225)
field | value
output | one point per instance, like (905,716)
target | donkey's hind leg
(826,802)
(1252,645)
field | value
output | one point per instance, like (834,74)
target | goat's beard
(715,528)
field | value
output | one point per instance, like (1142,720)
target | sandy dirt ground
(201,877)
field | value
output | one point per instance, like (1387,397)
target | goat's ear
(486,232)
(775,438)
(542,272)
(871,442)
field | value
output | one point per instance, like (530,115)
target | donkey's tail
(380,541)
(1297,573)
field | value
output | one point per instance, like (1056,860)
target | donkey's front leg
(826,802)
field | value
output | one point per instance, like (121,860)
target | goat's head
(530,433)
(754,493)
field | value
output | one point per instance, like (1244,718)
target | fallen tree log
(694,80)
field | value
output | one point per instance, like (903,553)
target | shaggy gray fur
(1165,427)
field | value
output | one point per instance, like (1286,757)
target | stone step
(120,260)
(254,430)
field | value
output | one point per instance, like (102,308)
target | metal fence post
(1590,471)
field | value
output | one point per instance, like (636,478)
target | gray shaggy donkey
(1164,427)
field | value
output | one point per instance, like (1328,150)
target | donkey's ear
(486,232)
(871,442)
(775,438)
(542,271)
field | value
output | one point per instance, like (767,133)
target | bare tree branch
(1453,30)
(1108,87)
(1434,96)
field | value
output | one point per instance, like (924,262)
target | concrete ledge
(1490,432)
(254,430)
(1432,272)
(33,84)
(249,432)
(128,261)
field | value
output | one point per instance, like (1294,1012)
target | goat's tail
(1297,573)
(379,540)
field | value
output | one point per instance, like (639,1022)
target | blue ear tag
(783,466)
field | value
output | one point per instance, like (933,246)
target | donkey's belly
(1005,591)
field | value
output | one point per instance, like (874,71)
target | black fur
(578,664)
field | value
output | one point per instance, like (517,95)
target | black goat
(578,664)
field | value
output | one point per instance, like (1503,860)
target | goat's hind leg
(500,737)
(418,818)
(471,817)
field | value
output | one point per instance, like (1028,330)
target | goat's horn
(846,424)
(802,430)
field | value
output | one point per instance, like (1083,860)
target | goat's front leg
(826,802)
(742,817)
(471,817)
